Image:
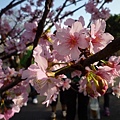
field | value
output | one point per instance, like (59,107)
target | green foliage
(113,25)
(25,58)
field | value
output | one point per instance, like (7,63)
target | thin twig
(66,16)
(9,6)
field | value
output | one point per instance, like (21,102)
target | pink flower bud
(96,84)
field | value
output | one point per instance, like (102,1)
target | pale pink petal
(75,53)
(100,26)
(1,116)
(8,114)
(63,49)
(25,74)
(41,61)
(30,26)
(107,38)
(76,27)
(81,19)
(16,109)
(69,22)
(41,74)
(82,42)
(93,30)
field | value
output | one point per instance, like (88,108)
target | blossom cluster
(69,44)
(13,99)
(91,7)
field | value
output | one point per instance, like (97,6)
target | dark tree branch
(72,12)
(73,3)
(11,85)
(40,28)
(42,22)
(57,16)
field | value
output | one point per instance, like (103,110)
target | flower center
(34,30)
(97,39)
(72,41)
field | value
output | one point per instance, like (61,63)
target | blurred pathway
(40,112)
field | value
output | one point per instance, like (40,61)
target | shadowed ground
(40,112)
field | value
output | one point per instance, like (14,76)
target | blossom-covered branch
(109,50)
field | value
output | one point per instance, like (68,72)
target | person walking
(106,104)
(75,98)
(63,105)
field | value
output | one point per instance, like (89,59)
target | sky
(113,6)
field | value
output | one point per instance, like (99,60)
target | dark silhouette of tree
(113,25)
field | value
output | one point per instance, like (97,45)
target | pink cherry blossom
(20,99)
(99,39)
(105,13)
(40,78)
(70,39)
(96,15)
(116,90)
(10,46)
(4,27)
(51,96)
(106,73)
(90,7)
(46,87)
(30,31)
(93,84)
(8,114)
(82,85)
(58,57)
(110,70)
(81,19)
(66,84)
(114,63)
(1,116)
(27,8)
(20,46)
(70,21)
